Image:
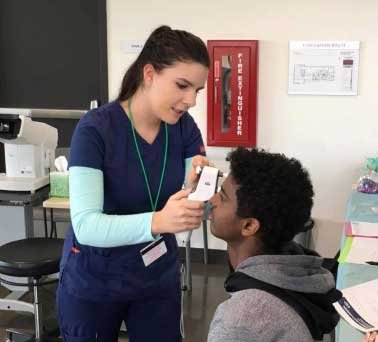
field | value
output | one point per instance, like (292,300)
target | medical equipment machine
(206,188)
(29,150)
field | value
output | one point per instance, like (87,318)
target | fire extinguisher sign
(232,93)
(239,126)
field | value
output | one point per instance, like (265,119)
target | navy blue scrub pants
(97,291)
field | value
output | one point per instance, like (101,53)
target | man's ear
(148,74)
(250,226)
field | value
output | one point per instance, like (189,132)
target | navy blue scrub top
(103,140)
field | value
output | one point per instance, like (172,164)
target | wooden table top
(57,203)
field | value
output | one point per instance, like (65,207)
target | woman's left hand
(193,177)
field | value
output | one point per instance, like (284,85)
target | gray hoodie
(254,315)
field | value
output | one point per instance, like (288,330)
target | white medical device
(29,148)
(206,188)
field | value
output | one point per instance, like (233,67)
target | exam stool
(28,258)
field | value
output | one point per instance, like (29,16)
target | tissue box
(59,185)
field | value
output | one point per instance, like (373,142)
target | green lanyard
(153,205)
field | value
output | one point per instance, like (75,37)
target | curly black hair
(275,190)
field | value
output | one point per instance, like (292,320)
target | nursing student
(128,162)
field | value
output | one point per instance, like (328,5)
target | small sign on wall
(323,67)
(131,46)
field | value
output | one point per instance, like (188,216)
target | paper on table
(357,228)
(359,306)
(360,250)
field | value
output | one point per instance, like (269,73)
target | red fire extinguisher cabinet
(232,93)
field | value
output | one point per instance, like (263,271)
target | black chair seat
(32,257)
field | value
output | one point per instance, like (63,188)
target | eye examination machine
(29,153)
(205,189)
(29,149)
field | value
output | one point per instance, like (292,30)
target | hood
(296,277)
(297,269)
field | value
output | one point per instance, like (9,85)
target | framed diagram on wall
(323,67)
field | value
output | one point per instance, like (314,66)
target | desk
(359,208)
(16,212)
(53,203)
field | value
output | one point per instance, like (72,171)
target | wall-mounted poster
(323,67)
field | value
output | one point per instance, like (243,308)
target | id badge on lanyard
(153,251)
(157,248)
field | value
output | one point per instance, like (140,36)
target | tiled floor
(199,304)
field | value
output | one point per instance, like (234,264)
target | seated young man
(279,290)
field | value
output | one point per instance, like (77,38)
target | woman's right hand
(371,337)
(179,214)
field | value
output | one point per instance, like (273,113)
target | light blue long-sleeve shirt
(94,228)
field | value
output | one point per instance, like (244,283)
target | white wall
(331,135)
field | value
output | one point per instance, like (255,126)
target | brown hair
(162,49)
